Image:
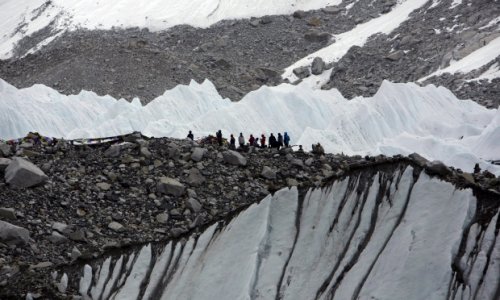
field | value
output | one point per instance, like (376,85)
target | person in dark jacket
(286,139)
(232,143)
(251,140)
(263,141)
(272,141)
(280,141)
(219,137)
(190,135)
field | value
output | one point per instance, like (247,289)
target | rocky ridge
(110,196)
(239,56)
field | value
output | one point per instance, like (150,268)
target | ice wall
(376,235)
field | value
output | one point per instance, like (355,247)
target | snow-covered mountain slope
(399,119)
(375,235)
(20,18)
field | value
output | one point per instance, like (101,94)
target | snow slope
(399,119)
(19,18)
(369,236)
(358,35)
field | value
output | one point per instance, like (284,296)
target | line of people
(273,142)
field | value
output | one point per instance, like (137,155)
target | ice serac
(376,234)
(398,119)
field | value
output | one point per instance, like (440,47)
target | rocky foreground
(65,204)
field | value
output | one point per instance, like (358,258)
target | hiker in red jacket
(251,140)
(263,141)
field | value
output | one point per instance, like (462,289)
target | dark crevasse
(396,234)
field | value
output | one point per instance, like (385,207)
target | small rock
(103,186)
(195,177)
(318,66)
(77,235)
(198,154)
(291,182)
(302,72)
(268,173)
(145,152)
(75,253)
(5,150)
(115,226)
(193,205)
(57,238)
(395,56)
(162,218)
(4,163)
(418,159)
(176,232)
(42,265)
(60,227)
(170,186)
(299,14)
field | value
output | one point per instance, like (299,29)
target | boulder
(4,163)
(57,238)
(145,152)
(22,174)
(299,14)
(418,159)
(302,72)
(7,213)
(316,36)
(170,186)
(234,158)
(195,177)
(198,153)
(437,168)
(268,173)
(318,66)
(331,10)
(5,150)
(12,234)
(395,56)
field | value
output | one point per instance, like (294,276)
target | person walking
(263,141)
(286,139)
(190,135)
(241,140)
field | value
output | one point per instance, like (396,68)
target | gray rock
(316,36)
(145,152)
(309,161)
(170,186)
(297,162)
(418,159)
(299,14)
(12,234)
(77,235)
(115,226)
(75,253)
(195,178)
(7,213)
(193,205)
(292,182)
(331,10)
(255,22)
(318,66)
(22,174)
(60,227)
(395,56)
(57,238)
(112,151)
(302,72)
(162,218)
(176,232)
(4,163)
(5,150)
(103,186)
(198,153)
(437,168)
(268,173)
(234,158)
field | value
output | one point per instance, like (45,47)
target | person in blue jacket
(286,139)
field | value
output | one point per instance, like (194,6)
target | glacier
(375,234)
(398,119)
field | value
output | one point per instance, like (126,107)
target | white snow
(388,236)
(399,119)
(152,14)
(493,22)
(384,24)
(471,62)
